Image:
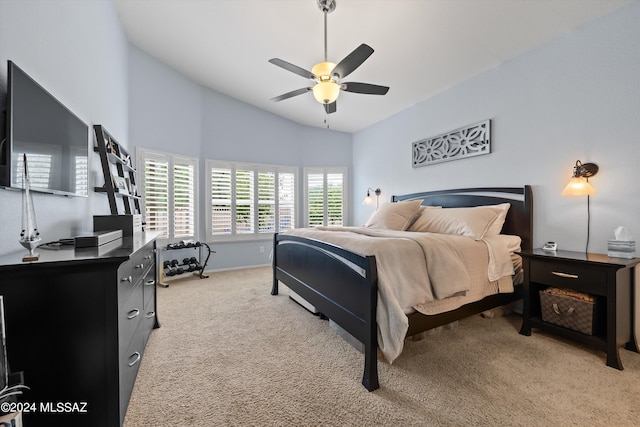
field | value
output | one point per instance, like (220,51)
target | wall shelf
(118,172)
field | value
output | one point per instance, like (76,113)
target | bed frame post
(370,377)
(274,287)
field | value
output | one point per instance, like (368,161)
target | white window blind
(156,196)
(325,196)
(184,200)
(221,194)
(169,194)
(250,201)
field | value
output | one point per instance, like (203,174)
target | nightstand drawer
(568,275)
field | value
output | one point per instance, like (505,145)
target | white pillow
(472,222)
(394,216)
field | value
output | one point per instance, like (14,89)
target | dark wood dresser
(77,323)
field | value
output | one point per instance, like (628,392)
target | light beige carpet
(228,353)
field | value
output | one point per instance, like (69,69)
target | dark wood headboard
(519,219)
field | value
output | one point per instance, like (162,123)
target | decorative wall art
(468,141)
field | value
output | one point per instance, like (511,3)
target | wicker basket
(572,313)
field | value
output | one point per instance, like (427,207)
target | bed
(344,285)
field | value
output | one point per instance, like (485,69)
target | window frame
(143,154)
(345,191)
(256,169)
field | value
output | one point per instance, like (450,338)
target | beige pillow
(496,227)
(471,222)
(394,216)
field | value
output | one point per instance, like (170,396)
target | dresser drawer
(575,276)
(130,315)
(129,364)
(142,260)
(125,282)
(149,286)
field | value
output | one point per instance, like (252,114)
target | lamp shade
(326,92)
(578,186)
(367,200)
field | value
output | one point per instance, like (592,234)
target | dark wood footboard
(341,285)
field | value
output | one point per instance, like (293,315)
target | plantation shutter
(326,196)
(244,201)
(315,199)
(335,197)
(221,201)
(266,202)
(156,195)
(286,201)
(184,200)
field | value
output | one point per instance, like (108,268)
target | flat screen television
(54,139)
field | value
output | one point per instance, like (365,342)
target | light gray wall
(77,51)
(575,98)
(171,113)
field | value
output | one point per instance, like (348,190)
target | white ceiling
(422,47)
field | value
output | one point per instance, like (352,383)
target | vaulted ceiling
(422,47)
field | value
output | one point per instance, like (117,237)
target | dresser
(77,322)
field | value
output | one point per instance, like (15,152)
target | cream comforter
(415,269)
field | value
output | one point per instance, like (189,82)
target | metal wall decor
(468,141)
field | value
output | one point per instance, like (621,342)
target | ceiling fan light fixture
(326,92)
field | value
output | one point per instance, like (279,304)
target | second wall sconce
(369,200)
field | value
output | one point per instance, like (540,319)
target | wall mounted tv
(55,140)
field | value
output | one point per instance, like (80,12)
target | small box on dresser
(564,308)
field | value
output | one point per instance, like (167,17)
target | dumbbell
(167,264)
(174,263)
(171,271)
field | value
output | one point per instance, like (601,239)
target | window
(249,201)
(169,191)
(325,196)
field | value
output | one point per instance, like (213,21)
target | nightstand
(609,279)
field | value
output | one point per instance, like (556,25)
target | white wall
(172,113)
(575,98)
(78,52)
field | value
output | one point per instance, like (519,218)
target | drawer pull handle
(150,282)
(567,275)
(127,279)
(151,315)
(148,257)
(556,309)
(133,313)
(137,359)
(139,265)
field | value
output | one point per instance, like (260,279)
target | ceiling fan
(327,75)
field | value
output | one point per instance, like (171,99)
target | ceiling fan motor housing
(327,6)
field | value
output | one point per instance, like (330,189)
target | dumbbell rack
(186,265)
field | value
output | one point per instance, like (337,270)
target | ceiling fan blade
(291,94)
(352,61)
(293,68)
(366,88)
(331,108)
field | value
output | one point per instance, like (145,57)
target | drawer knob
(566,275)
(150,282)
(148,257)
(139,265)
(133,313)
(151,315)
(136,360)
(127,279)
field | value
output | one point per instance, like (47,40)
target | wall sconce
(368,200)
(579,186)
(579,183)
